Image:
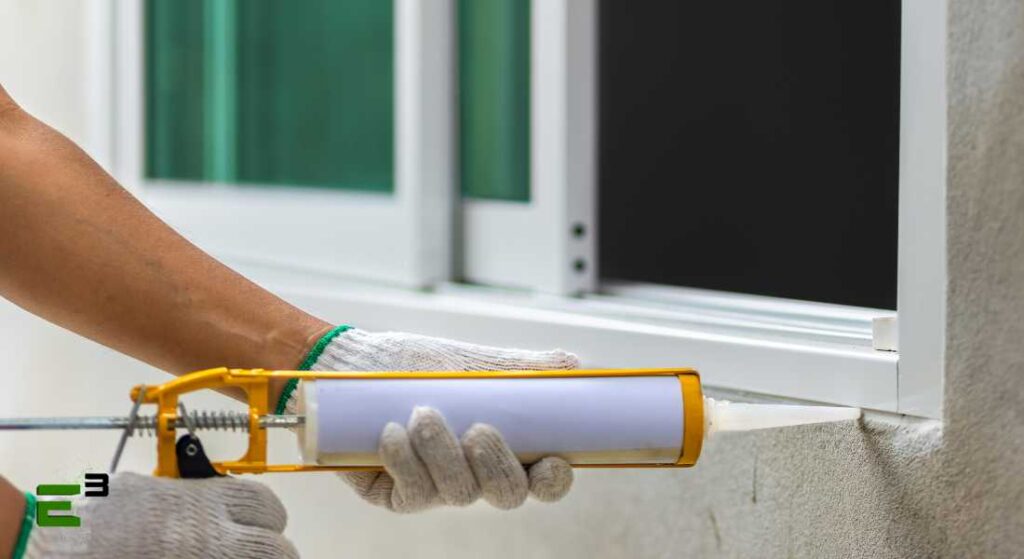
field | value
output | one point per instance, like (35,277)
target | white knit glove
(357,350)
(425,464)
(145,517)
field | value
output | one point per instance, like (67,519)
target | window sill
(802,351)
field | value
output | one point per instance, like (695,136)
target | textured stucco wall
(879,489)
(985,351)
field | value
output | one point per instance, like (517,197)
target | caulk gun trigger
(192,460)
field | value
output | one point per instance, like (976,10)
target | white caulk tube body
(590,418)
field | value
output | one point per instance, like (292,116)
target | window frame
(319,229)
(921,269)
(540,253)
(761,345)
(548,243)
(792,367)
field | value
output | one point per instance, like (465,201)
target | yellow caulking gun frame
(256,385)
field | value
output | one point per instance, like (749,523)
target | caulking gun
(609,418)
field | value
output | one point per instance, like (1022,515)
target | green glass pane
(284,93)
(494,98)
(174,89)
(316,92)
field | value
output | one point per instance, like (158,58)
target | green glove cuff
(307,363)
(27,522)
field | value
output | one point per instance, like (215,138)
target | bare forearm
(12,512)
(78,250)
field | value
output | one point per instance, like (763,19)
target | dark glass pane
(752,147)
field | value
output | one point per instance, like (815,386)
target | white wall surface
(43,55)
(49,56)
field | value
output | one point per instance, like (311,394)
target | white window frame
(548,243)
(531,245)
(762,345)
(320,230)
(921,283)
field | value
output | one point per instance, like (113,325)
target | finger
(130,482)
(550,479)
(255,543)
(501,477)
(250,503)
(413,488)
(546,360)
(442,454)
(374,487)
(499,359)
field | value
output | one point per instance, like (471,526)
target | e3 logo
(96,485)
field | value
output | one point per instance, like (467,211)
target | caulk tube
(589,418)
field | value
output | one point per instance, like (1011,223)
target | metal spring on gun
(201,420)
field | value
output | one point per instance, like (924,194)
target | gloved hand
(425,464)
(145,517)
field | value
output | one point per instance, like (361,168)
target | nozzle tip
(720,415)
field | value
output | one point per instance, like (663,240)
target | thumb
(550,479)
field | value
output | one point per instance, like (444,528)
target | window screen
(494,99)
(752,147)
(269,92)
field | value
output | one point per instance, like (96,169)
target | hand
(350,349)
(149,518)
(425,465)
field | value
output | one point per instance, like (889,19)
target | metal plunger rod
(118,422)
